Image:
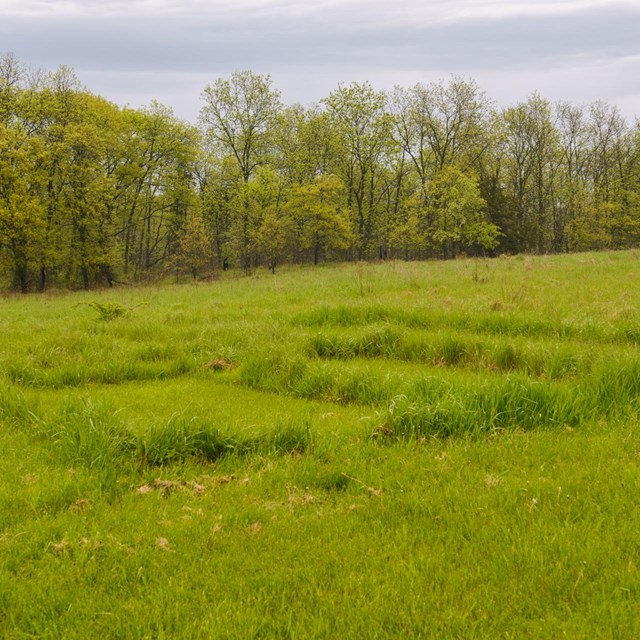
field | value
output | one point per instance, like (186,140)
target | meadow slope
(441,449)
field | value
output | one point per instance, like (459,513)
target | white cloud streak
(573,49)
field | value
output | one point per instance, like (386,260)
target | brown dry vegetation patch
(220,364)
(166,487)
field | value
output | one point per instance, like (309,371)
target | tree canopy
(92,193)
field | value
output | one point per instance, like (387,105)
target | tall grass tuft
(91,435)
(95,436)
(14,409)
(379,342)
(273,370)
(515,402)
(615,388)
(432,408)
(294,375)
(179,439)
(465,322)
(286,438)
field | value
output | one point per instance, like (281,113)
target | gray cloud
(323,43)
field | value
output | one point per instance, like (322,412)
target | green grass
(384,450)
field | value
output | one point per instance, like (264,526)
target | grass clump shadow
(380,342)
(334,481)
(287,439)
(181,439)
(433,408)
(273,370)
(95,436)
(292,374)
(454,350)
(483,324)
(177,440)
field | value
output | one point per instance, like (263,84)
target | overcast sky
(134,51)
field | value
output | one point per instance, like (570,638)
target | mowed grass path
(425,450)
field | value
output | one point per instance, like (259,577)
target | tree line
(92,193)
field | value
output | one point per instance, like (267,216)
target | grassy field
(436,450)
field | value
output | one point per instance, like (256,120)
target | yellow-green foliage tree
(86,197)
(320,216)
(357,112)
(219,180)
(194,246)
(90,192)
(155,185)
(269,226)
(22,214)
(456,214)
(408,237)
(272,237)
